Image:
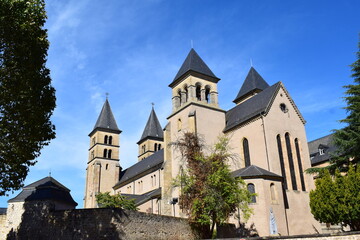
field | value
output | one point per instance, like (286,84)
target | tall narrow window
(159,146)
(186,93)
(106,139)
(105,153)
(198,92)
(281,158)
(273,193)
(109,153)
(246,152)
(251,189)
(179,124)
(154,180)
(207,94)
(300,165)
(291,161)
(155,147)
(107,166)
(110,140)
(180,97)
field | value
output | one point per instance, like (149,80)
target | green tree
(27,98)
(105,200)
(209,194)
(336,199)
(347,139)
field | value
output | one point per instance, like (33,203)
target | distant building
(266,131)
(321,151)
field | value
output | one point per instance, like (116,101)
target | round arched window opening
(284,108)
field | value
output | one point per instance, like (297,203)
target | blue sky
(133,50)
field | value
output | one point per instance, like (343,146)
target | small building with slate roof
(321,150)
(46,189)
(266,132)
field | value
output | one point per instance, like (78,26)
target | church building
(266,132)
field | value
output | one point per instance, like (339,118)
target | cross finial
(152,104)
(251,63)
(50,173)
(107,95)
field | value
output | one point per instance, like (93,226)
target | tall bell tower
(103,166)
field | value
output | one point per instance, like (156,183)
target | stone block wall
(3,229)
(98,224)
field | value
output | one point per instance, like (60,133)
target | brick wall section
(99,224)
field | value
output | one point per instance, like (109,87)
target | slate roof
(45,189)
(106,120)
(140,199)
(3,211)
(194,63)
(253,82)
(152,129)
(152,163)
(325,143)
(251,108)
(253,171)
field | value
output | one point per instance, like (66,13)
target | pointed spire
(194,63)
(253,83)
(106,120)
(153,128)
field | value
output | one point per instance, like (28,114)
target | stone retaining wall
(100,223)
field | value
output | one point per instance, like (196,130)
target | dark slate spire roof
(253,82)
(194,63)
(152,129)
(259,104)
(106,120)
(45,189)
(253,171)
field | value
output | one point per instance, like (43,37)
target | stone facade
(266,130)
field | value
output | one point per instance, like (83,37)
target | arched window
(251,189)
(179,125)
(106,167)
(155,147)
(273,193)
(105,153)
(291,161)
(159,146)
(93,141)
(297,148)
(207,94)
(106,139)
(110,140)
(281,158)
(186,93)
(154,180)
(179,93)
(246,152)
(109,154)
(198,92)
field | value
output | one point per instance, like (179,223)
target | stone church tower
(195,108)
(103,167)
(152,139)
